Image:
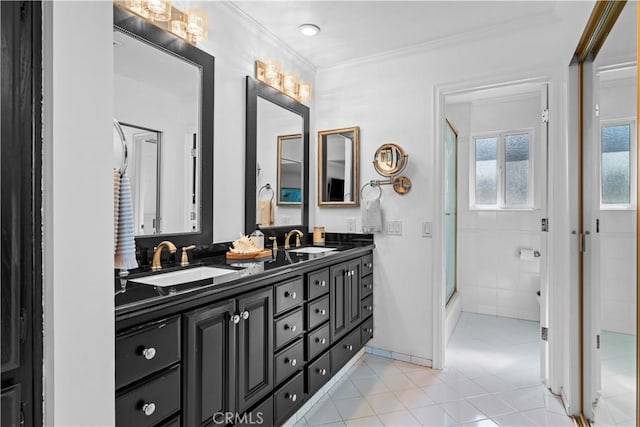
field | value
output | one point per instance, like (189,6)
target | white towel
(371,216)
(125,256)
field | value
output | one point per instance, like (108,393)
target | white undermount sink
(312,250)
(175,278)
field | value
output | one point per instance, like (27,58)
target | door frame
(438,275)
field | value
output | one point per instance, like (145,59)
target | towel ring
(371,184)
(266,187)
(125,151)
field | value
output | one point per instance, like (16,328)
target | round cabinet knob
(149,353)
(369,307)
(235,319)
(349,347)
(322,372)
(292,328)
(322,283)
(288,294)
(292,397)
(321,312)
(292,362)
(370,265)
(370,330)
(149,408)
(353,273)
(321,340)
(244,315)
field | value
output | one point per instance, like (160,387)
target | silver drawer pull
(244,315)
(353,273)
(292,362)
(368,285)
(322,372)
(369,330)
(149,353)
(149,408)
(369,265)
(321,340)
(321,312)
(292,327)
(292,397)
(235,319)
(288,294)
(349,347)
(368,307)
(321,283)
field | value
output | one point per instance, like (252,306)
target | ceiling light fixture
(309,30)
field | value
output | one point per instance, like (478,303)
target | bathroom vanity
(251,346)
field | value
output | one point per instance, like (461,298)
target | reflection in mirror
(614,247)
(158,94)
(279,156)
(390,159)
(338,162)
(290,169)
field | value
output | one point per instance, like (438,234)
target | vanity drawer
(366,331)
(367,286)
(173,422)
(318,341)
(367,306)
(288,328)
(345,349)
(288,295)
(151,402)
(289,361)
(146,350)
(317,312)
(260,415)
(317,283)
(367,264)
(318,373)
(288,398)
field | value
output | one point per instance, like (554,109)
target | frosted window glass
(486,171)
(616,164)
(517,169)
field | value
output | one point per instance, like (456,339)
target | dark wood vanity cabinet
(254,357)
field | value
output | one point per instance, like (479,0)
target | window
(617,166)
(502,171)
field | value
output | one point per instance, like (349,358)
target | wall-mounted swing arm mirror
(338,167)
(390,160)
(163,87)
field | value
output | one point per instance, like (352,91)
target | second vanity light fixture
(270,73)
(189,25)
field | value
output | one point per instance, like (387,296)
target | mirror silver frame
(355,171)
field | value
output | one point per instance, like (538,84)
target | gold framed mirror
(390,159)
(289,174)
(338,167)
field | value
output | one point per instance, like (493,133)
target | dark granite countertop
(135,296)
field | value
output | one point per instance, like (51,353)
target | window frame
(501,186)
(633,170)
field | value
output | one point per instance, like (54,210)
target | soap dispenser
(257,237)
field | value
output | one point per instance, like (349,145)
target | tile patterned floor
(617,403)
(491,379)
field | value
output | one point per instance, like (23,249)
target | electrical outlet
(351,225)
(394,228)
(426,229)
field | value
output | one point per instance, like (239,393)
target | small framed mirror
(338,164)
(289,166)
(390,159)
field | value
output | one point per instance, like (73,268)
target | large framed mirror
(277,159)
(338,167)
(163,99)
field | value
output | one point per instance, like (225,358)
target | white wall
(78,214)
(491,277)
(391,98)
(618,228)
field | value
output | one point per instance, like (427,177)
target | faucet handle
(185,258)
(297,240)
(275,242)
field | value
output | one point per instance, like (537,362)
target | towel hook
(371,183)
(125,152)
(266,187)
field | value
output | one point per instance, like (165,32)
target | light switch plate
(394,228)
(426,229)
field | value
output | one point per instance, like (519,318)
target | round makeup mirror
(390,159)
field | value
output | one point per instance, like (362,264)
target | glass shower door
(450,208)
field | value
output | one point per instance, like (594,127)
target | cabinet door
(354,292)
(255,348)
(339,301)
(209,363)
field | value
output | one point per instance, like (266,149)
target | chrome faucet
(157,251)
(287,236)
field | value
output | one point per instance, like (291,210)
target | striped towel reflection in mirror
(116,207)
(125,255)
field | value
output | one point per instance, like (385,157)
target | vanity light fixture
(309,30)
(190,25)
(269,72)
